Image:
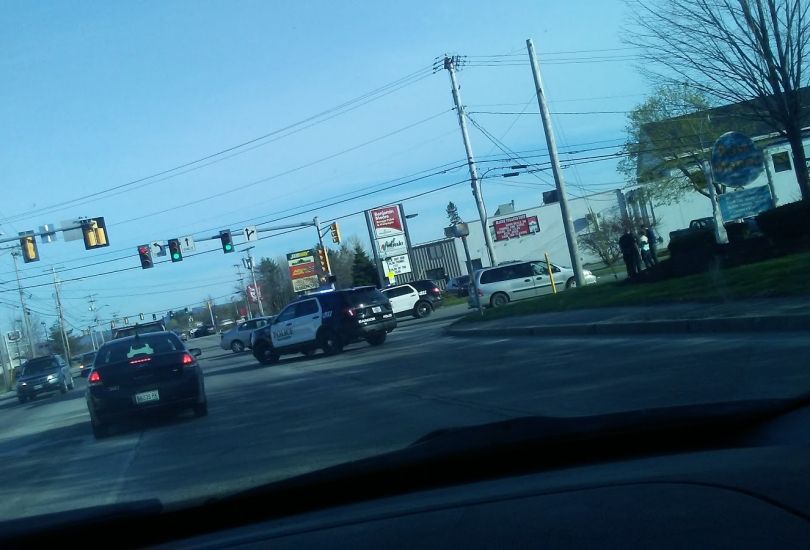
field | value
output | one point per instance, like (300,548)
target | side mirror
(196,352)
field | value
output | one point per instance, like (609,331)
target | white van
(497,286)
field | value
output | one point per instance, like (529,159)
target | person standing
(630,252)
(646,255)
(652,239)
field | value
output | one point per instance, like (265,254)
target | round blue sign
(736,161)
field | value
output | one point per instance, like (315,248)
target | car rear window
(40,364)
(148,344)
(424,285)
(365,296)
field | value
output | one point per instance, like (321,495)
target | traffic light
(227,240)
(94,232)
(140,315)
(28,243)
(323,259)
(174,250)
(145,254)
(335,231)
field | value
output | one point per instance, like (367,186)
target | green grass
(785,276)
(452,299)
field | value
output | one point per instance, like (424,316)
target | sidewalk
(760,315)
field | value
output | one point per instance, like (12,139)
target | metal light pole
(253,277)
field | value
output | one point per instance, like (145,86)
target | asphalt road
(269,423)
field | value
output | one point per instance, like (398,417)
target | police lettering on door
(283,333)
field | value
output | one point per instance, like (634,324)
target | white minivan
(497,286)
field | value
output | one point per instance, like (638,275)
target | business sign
(302,270)
(736,161)
(386,221)
(515,226)
(745,203)
(254,293)
(392,246)
(398,265)
(13,336)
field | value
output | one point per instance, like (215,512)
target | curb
(764,323)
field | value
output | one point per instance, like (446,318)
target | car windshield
(37,366)
(346,212)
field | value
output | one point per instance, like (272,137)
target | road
(269,423)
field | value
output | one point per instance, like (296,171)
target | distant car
(139,328)
(497,286)
(237,338)
(42,375)
(84,363)
(326,321)
(418,298)
(144,372)
(460,286)
(205,330)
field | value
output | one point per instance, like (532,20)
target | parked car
(460,286)
(418,298)
(42,375)
(497,286)
(205,330)
(237,338)
(326,321)
(84,363)
(143,372)
(139,328)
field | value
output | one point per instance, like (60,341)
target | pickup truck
(735,228)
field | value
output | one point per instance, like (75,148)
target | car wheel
(100,431)
(329,342)
(376,338)
(264,354)
(499,299)
(237,346)
(422,309)
(201,409)
(571,283)
(22,398)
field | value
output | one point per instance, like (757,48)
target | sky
(107,107)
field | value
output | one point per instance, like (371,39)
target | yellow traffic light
(94,232)
(29,249)
(323,259)
(335,231)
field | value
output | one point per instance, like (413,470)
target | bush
(786,224)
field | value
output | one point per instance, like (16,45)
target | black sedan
(143,373)
(205,330)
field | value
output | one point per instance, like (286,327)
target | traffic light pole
(65,341)
(26,320)
(255,285)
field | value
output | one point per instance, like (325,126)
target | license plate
(147,396)
(38,387)
(376,309)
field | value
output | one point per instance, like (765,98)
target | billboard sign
(736,161)
(515,226)
(746,203)
(392,246)
(387,221)
(302,270)
(398,265)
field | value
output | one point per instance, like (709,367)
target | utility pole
(65,341)
(249,265)
(244,290)
(450,65)
(211,313)
(26,320)
(328,267)
(568,225)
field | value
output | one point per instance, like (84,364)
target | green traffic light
(175,256)
(228,247)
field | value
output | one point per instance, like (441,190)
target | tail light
(94,378)
(140,360)
(187,359)
(436,290)
(349,312)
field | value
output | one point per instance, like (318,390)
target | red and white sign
(515,226)
(254,293)
(386,221)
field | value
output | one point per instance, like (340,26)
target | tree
(452,213)
(603,239)
(342,261)
(363,270)
(667,142)
(735,51)
(56,343)
(274,282)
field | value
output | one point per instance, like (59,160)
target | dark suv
(327,320)
(44,375)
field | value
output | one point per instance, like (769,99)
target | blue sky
(99,94)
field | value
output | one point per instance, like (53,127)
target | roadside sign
(74,234)
(250,233)
(48,233)
(187,244)
(302,270)
(399,265)
(14,335)
(254,294)
(158,248)
(736,161)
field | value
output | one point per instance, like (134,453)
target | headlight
(23,384)
(52,377)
